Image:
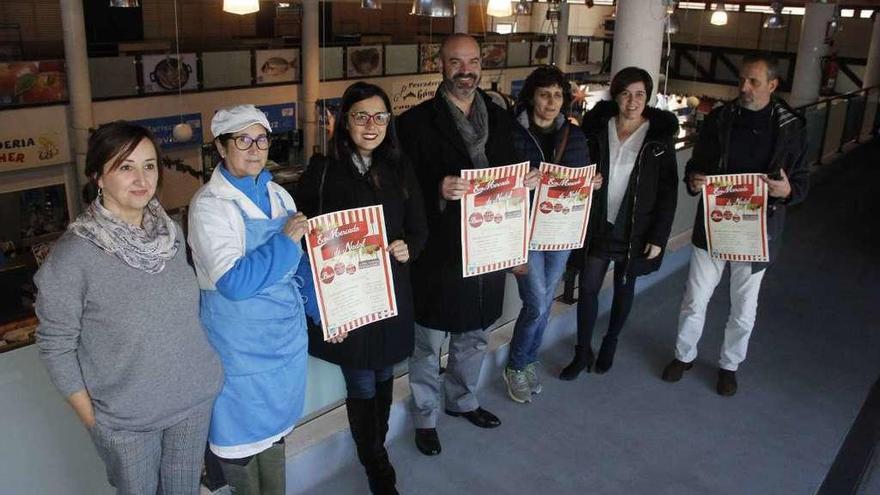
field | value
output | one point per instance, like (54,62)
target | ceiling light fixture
(719,15)
(241,7)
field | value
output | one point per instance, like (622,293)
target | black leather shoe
(427,441)
(675,369)
(726,382)
(479,417)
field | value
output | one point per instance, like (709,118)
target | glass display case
(32,220)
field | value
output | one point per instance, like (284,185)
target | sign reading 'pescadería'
(35,141)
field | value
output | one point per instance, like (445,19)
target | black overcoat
(652,193)
(445,300)
(389,341)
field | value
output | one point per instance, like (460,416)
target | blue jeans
(536,289)
(361,383)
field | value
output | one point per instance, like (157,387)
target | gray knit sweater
(131,339)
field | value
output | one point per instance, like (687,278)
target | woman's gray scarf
(473,129)
(146,248)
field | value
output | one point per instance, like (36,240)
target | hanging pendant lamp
(719,16)
(499,8)
(371,4)
(433,8)
(241,7)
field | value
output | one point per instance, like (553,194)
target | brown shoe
(675,369)
(726,382)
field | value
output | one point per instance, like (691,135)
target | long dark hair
(542,77)
(342,147)
(110,145)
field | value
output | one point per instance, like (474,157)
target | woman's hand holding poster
(735,217)
(561,207)
(351,269)
(494,219)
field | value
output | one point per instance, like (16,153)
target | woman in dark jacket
(366,168)
(632,215)
(543,135)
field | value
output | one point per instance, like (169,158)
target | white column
(79,86)
(811,49)
(311,75)
(562,45)
(638,37)
(872,70)
(462,16)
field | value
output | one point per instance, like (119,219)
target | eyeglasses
(380,118)
(245,142)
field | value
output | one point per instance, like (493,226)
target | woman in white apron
(245,236)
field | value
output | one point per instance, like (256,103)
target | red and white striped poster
(735,217)
(561,207)
(494,219)
(351,269)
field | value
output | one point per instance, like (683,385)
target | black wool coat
(445,300)
(388,341)
(652,193)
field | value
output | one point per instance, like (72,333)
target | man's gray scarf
(473,129)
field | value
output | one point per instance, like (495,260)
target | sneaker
(532,377)
(517,385)
(675,369)
(726,382)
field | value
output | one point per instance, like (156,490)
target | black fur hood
(664,125)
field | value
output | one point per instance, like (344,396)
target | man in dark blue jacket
(756,133)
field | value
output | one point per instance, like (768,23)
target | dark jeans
(361,383)
(591,278)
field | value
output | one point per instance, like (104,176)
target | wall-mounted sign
(33,138)
(406,93)
(281,117)
(169,73)
(32,82)
(516,87)
(494,55)
(275,66)
(163,127)
(429,57)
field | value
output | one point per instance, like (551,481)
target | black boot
(384,398)
(583,360)
(606,355)
(362,418)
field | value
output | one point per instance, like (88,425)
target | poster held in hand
(494,219)
(351,269)
(735,217)
(561,207)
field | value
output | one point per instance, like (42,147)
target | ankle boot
(583,360)
(362,418)
(606,355)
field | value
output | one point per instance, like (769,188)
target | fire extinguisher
(830,68)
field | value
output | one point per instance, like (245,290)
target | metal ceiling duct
(433,8)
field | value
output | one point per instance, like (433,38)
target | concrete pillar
(562,45)
(872,70)
(311,76)
(78,84)
(462,16)
(638,37)
(811,49)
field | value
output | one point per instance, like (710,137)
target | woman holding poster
(256,284)
(365,167)
(543,135)
(632,216)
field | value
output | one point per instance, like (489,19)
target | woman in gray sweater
(119,324)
